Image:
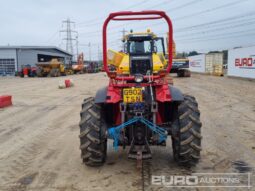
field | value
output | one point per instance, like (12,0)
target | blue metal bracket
(114,132)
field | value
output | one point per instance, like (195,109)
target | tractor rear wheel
(93,137)
(186,135)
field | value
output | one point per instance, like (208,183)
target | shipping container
(197,63)
(214,64)
(241,62)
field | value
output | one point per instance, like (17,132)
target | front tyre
(93,140)
(186,135)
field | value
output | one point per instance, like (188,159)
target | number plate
(132,95)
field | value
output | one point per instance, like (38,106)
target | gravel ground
(39,145)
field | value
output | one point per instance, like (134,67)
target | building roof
(35,47)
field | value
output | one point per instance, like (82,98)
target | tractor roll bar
(148,15)
(136,18)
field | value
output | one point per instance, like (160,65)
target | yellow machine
(143,51)
(54,68)
(68,70)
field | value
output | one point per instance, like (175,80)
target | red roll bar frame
(150,15)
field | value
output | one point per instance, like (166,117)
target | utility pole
(77,47)
(123,36)
(98,53)
(89,52)
(68,34)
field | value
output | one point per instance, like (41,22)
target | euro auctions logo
(204,180)
(245,63)
(196,63)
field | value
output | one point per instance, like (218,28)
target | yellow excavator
(143,50)
(54,68)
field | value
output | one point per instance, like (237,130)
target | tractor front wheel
(93,138)
(186,135)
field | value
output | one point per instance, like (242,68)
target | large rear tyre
(186,135)
(93,139)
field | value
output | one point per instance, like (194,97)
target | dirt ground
(39,145)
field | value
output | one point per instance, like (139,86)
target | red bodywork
(117,83)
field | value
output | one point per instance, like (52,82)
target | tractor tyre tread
(187,137)
(93,141)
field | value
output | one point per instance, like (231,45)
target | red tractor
(139,108)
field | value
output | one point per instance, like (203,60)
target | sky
(200,25)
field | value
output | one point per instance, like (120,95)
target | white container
(212,60)
(61,84)
(197,63)
(241,62)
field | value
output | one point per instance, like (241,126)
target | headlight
(138,78)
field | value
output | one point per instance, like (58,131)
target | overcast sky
(200,25)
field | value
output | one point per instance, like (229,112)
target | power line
(128,23)
(219,29)
(213,37)
(215,22)
(101,18)
(222,34)
(52,37)
(218,48)
(96,43)
(136,5)
(159,4)
(238,24)
(204,11)
(208,24)
(92,34)
(190,15)
(211,9)
(186,16)
(184,5)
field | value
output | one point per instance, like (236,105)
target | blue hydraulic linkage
(114,132)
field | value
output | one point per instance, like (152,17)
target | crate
(214,64)
(218,70)
(5,101)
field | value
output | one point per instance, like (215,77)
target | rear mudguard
(101,95)
(176,94)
